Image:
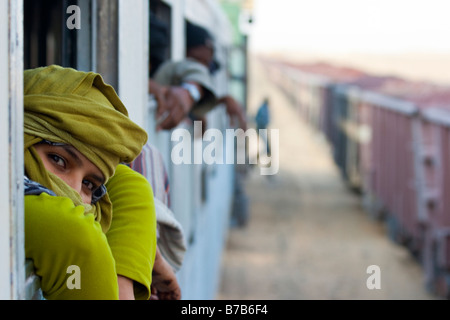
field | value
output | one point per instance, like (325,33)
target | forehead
(203,51)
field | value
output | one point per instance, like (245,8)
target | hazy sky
(343,26)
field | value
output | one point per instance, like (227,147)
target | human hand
(159,92)
(164,281)
(234,110)
(176,106)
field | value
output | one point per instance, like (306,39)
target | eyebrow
(70,150)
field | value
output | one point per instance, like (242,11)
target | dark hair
(197,36)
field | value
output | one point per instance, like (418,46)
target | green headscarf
(77,108)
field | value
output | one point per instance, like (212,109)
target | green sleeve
(58,235)
(132,235)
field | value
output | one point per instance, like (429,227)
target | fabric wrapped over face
(77,108)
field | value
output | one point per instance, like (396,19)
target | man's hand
(174,103)
(234,109)
(164,281)
(177,105)
(158,91)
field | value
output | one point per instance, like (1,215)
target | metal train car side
(112,39)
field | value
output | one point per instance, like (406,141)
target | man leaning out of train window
(185,88)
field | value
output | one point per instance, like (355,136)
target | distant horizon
(405,37)
(416,66)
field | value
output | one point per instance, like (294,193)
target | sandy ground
(308,236)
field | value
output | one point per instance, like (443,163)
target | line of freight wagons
(391,141)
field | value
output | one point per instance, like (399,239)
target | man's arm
(164,284)
(234,109)
(190,89)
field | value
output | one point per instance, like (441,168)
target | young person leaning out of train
(90,226)
(185,88)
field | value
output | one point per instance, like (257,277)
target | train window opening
(160,18)
(55,34)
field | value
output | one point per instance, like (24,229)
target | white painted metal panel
(16,147)
(133,57)
(5,205)
(177,30)
(209,14)
(12,261)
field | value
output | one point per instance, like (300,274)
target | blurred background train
(390,137)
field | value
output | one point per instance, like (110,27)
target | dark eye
(91,186)
(59,161)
